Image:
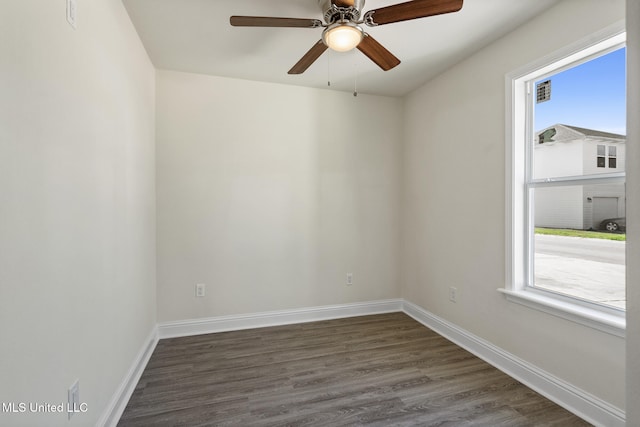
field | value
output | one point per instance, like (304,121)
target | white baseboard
(581,403)
(120,398)
(210,325)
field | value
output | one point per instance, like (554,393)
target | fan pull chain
(355,82)
(329,69)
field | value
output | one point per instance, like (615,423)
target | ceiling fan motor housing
(341,10)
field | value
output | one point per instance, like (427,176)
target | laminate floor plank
(380,370)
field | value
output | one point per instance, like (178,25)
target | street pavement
(593,269)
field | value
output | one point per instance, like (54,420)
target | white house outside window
(567,175)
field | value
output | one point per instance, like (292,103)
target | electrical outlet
(73,399)
(72,13)
(453,294)
(200,290)
(349,279)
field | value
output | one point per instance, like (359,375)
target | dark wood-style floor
(382,370)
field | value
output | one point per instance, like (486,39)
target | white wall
(633,212)
(77,214)
(270,194)
(559,207)
(561,158)
(453,221)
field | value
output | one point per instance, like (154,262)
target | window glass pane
(573,251)
(577,228)
(584,119)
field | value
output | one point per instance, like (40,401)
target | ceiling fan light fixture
(342,37)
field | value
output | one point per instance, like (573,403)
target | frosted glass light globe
(342,37)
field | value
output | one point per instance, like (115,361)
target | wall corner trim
(121,397)
(588,407)
(211,325)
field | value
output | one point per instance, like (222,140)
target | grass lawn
(582,233)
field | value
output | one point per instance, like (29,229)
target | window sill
(613,324)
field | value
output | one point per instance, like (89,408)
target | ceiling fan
(342,31)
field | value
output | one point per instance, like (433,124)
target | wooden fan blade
(267,21)
(309,58)
(377,53)
(343,3)
(411,10)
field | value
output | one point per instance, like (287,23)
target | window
(601,162)
(612,157)
(556,188)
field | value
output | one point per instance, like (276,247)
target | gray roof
(595,133)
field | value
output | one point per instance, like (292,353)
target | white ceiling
(195,36)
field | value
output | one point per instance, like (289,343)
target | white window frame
(519,131)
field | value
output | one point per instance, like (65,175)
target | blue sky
(591,95)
